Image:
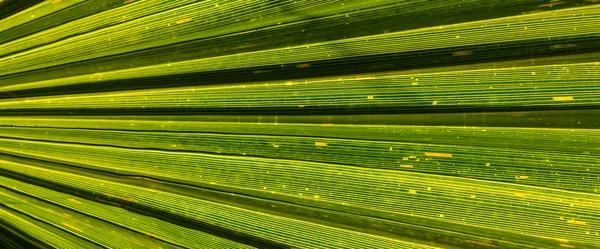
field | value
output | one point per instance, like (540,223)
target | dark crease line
(250,135)
(45,158)
(143,212)
(304,206)
(174,218)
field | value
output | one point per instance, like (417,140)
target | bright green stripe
(554,24)
(482,153)
(107,18)
(286,231)
(507,87)
(160,229)
(372,192)
(200,20)
(99,232)
(190,133)
(50,235)
(39,10)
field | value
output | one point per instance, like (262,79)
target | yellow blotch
(406,166)
(391,148)
(72,227)
(320,144)
(434,102)
(442,215)
(305,65)
(184,20)
(568,246)
(487,164)
(370,97)
(405,158)
(73,200)
(276,145)
(576,222)
(562,240)
(562,98)
(519,194)
(473,196)
(435,154)
(56,1)
(521,177)
(412,191)
(413,157)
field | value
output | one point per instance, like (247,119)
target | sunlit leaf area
(304,124)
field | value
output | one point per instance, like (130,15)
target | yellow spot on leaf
(73,200)
(576,222)
(406,166)
(519,194)
(411,191)
(72,227)
(435,154)
(562,98)
(184,20)
(521,177)
(320,144)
